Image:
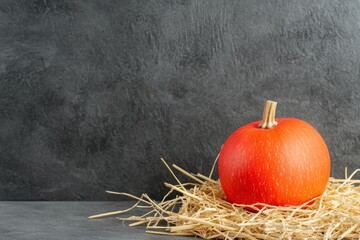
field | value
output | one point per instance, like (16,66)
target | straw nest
(202,210)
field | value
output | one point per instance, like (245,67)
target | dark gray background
(93,93)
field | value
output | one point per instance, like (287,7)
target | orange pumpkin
(283,162)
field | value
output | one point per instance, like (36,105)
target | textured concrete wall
(93,93)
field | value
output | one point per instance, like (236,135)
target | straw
(201,210)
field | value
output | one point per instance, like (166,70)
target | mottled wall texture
(93,92)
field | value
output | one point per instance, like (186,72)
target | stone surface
(68,220)
(93,93)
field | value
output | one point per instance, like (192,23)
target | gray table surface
(68,220)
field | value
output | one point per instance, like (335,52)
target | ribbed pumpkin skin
(285,165)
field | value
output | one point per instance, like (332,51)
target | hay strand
(204,212)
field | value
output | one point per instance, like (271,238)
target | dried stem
(268,118)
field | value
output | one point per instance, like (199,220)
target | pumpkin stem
(268,118)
